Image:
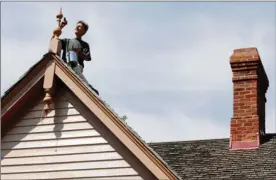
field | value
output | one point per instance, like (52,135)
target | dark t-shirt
(70,44)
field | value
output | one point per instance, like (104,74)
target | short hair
(85,25)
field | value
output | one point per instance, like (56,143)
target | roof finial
(57,32)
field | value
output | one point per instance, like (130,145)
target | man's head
(81,28)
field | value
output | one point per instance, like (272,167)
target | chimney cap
(245,55)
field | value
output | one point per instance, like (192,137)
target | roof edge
(24,75)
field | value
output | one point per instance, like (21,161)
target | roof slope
(23,76)
(212,159)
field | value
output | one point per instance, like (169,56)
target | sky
(165,65)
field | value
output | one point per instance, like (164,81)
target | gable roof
(212,159)
(16,96)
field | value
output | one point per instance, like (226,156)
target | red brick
(241,128)
(250,95)
(235,125)
(245,107)
(248,124)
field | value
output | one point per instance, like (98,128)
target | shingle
(212,159)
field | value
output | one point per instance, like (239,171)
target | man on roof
(77,45)
(76,51)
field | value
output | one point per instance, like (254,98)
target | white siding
(61,145)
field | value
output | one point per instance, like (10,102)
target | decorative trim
(48,85)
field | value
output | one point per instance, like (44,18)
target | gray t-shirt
(70,44)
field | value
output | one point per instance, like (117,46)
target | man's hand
(77,51)
(81,54)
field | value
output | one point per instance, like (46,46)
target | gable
(62,145)
(135,151)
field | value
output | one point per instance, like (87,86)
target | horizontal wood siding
(50,135)
(51,120)
(62,145)
(67,166)
(80,149)
(70,174)
(52,143)
(61,159)
(51,128)
(111,178)
(52,113)
(60,104)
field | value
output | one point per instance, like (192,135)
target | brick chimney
(250,84)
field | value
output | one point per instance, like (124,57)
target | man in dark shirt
(80,47)
(77,44)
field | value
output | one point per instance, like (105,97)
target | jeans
(79,70)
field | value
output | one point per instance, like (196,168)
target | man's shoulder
(64,39)
(84,43)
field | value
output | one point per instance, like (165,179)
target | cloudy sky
(164,65)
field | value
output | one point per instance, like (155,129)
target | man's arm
(63,43)
(63,48)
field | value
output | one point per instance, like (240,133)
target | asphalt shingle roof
(212,159)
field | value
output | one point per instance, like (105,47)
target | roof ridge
(196,140)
